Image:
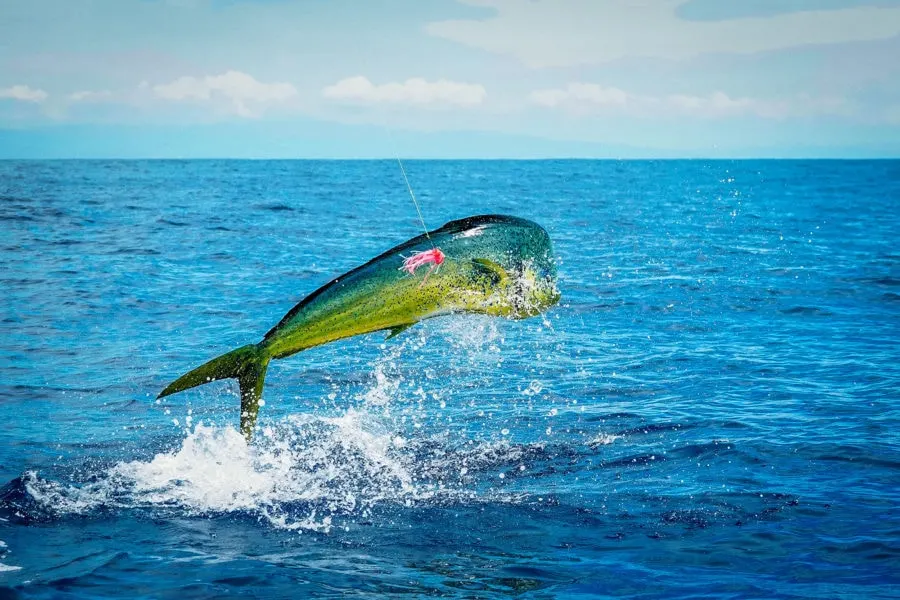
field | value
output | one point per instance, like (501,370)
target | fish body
(491,264)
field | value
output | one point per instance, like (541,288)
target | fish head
(510,261)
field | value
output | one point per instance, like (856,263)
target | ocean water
(713,410)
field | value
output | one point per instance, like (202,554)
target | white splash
(335,465)
(3,552)
(299,474)
(386,384)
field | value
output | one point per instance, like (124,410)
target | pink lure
(432,257)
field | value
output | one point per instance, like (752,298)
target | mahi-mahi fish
(491,264)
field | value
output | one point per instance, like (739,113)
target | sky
(449,78)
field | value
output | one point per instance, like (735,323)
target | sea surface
(713,409)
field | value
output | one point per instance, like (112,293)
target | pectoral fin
(395,331)
(490,269)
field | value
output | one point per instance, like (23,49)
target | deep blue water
(711,411)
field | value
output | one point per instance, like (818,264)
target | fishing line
(415,202)
(412,195)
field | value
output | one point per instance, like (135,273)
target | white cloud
(23,93)
(590,98)
(237,92)
(581,94)
(415,92)
(90,96)
(546,33)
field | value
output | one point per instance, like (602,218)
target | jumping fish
(490,264)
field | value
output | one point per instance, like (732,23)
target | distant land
(315,140)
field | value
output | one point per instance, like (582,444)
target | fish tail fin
(248,364)
(251,383)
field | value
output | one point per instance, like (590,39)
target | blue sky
(449,78)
